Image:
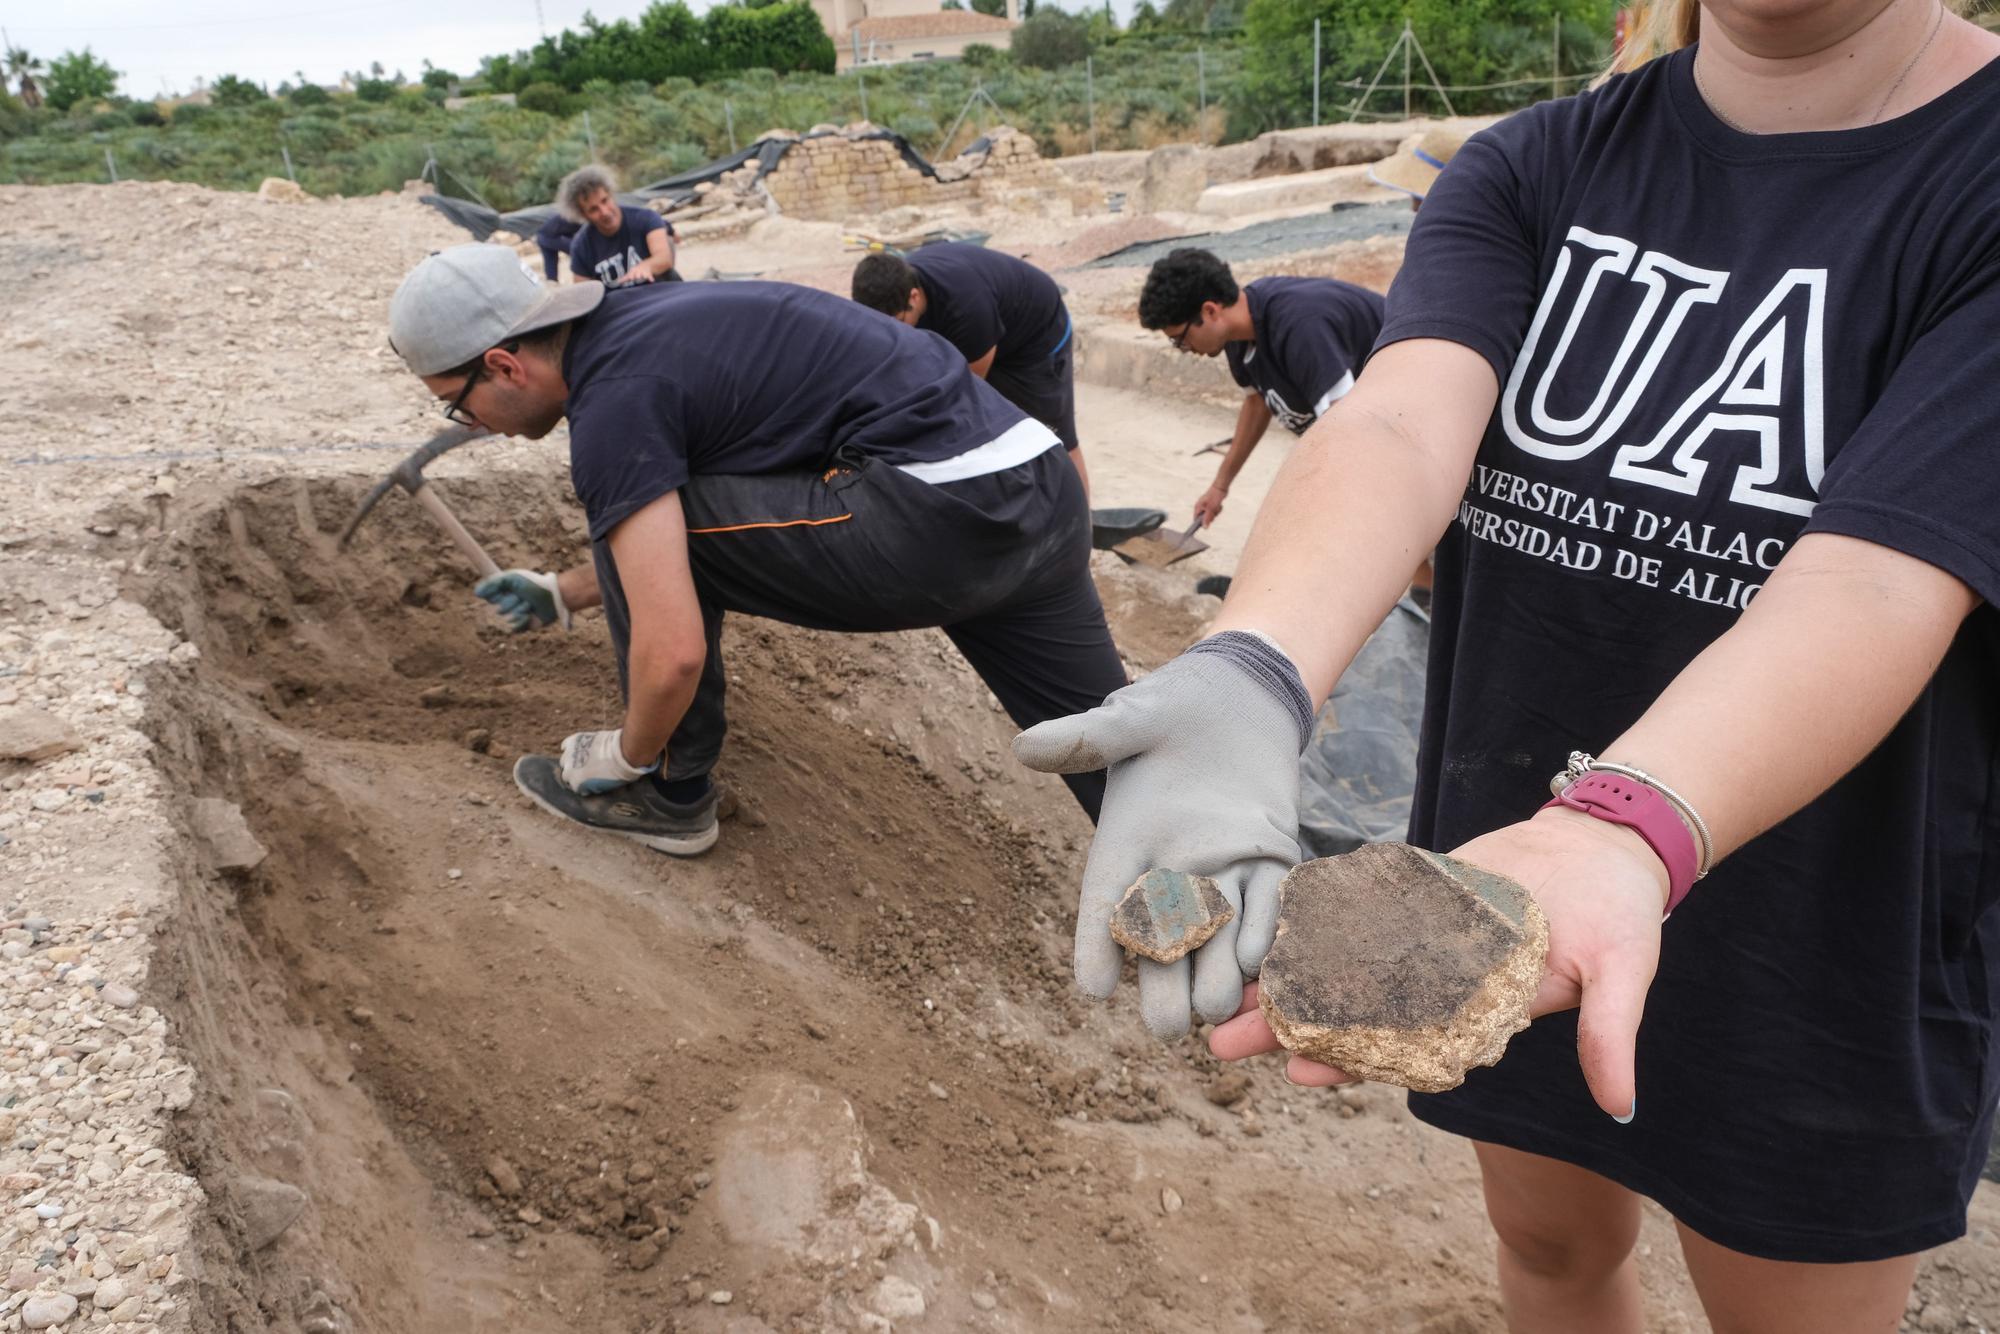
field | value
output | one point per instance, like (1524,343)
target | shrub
(310,95)
(230,91)
(374,90)
(78,76)
(1051,40)
(547,98)
(147,113)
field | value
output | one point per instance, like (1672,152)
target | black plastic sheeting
(482,221)
(1359,771)
(1345,221)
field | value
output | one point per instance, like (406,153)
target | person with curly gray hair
(622,244)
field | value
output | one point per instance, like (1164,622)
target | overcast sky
(158,45)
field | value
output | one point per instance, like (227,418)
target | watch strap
(1617,799)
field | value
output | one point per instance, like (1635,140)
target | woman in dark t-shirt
(1699,375)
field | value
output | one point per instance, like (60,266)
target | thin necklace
(1723,116)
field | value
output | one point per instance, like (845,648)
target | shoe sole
(674,846)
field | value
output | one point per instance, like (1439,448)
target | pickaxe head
(409,474)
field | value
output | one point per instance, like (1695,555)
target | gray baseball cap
(461,301)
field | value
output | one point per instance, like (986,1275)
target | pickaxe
(409,474)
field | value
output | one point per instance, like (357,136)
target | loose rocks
(47,1309)
(225,836)
(267,1208)
(30,734)
(1165,914)
(1400,965)
(898,1299)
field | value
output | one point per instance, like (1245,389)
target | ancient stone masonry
(836,174)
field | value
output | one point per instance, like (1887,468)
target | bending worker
(769,449)
(621,244)
(1295,344)
(1005,316)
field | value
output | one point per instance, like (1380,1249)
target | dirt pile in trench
(828,1077)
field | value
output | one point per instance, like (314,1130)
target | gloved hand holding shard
(1401,965)
(1204,778)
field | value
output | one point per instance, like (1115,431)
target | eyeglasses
(1179,340)
(454,411)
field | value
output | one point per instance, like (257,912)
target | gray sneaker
(636,811)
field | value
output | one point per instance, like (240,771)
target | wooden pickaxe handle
(427,496)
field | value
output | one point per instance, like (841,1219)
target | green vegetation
(1147,80)
(78,76)
(1468,42)
(669,41)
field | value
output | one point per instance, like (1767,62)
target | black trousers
(1001,563)
(1044,388)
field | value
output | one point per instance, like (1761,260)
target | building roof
(945,23)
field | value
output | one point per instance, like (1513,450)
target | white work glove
(1204,778)
(524,599)
(594,762)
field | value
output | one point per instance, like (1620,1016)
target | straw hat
(1414,167)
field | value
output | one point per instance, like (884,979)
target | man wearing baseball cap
(767,449)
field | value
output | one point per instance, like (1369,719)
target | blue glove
(525,600)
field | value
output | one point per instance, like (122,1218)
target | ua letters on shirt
(611,258)
(1697,367)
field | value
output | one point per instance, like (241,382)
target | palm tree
(24,67)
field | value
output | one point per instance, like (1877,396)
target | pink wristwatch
(1638,802)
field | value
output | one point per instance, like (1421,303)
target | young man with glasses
(767,449)
(1295,344)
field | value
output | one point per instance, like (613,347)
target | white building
(880,32)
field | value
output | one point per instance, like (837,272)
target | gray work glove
(1204,777)
(525,599)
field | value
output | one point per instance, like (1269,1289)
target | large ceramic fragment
(1400,965)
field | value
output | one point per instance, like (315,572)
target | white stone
(47,1309)
(897,1299)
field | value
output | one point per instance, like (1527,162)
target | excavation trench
(528,1078)
(532,1078)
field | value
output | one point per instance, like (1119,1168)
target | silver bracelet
(1581,763)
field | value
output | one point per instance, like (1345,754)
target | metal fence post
(1407,44)
(1090,98)
(862,77)
(588,137)
(1201,85)
(729,122)
(1315,71)
(292,175)
(111,166)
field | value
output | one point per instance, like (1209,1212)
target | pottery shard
(1400,965)
(30,734)
(225,836)
(1167,913)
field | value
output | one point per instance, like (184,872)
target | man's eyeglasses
(1179,340)
(454,411)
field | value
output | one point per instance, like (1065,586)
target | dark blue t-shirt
(980,300)
(554,237)
(670,380)
(1709,343)
(610,258)
(1313,336)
